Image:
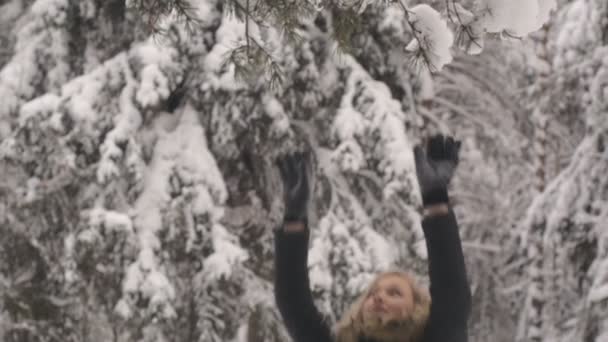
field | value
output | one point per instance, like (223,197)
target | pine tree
(563,238)
(139,193)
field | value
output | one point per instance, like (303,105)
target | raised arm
(450,293)
(292,286)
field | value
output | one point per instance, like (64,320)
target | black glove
(435,168)
(295,186)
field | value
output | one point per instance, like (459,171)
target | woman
(394,308)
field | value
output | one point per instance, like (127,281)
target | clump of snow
(84,95)
(461,14)
(123,309)
(227,255)
(101,221)
(318,262)
(348,123)
(38,109)
(157,287)
(111,220)
(393,19)
(231,37)
(206,11)
(274,109)
(349,156)
(54,11)
(432,35)
(30,192)
(10,10)
(154,86)
(433,39)
(126,124)
(517,17)
(599,288)
(230,34)
(153,285)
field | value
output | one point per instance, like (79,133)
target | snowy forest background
(137,187)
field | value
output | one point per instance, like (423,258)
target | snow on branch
(43,37)
(368,108)
(179,152)
(431,31)
(432,37)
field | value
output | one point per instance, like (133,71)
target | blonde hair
(410,329)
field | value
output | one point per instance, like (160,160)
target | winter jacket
(449,289)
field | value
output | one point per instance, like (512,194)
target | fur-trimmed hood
(351,328)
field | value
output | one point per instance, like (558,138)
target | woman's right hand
(435,167)
(293,168)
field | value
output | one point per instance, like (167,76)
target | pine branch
(251,60)
(154,10)
(464,31)
(423,46)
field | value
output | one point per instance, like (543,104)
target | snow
(228,255)
(10,10)
(135,277)
(156,286)
(348,123)
(123,309)
(598,294)
(427,86)
(545,8)
(38,109)
(35,40)
(393,19)
(111,220)
(378,114)
(206,11)
(274,110)
(180,150)
(460,14)
(195,163)
(126,123)
(82,92)
(517,17)
(54,11)
(349,156)
(154,83)
(154,86)
(599,285)
(432,35)
(318,263)
(147,260)
(380,250)
(229,35)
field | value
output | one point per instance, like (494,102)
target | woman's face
(390,298)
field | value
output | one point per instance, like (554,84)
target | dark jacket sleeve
(449,288)
(292,288)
